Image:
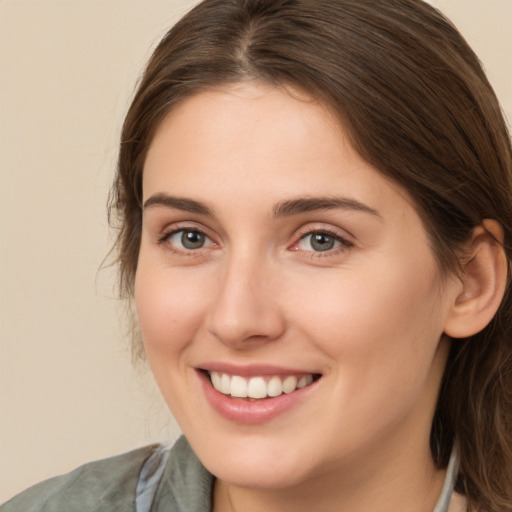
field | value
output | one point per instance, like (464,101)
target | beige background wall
(68,392)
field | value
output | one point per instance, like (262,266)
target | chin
(263,475)
(256,461)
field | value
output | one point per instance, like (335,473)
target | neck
(382,488)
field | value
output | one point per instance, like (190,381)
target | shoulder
(106,485)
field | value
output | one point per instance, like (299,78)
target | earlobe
(483,282)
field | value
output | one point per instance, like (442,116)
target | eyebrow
(178,203)
(310,204)
(282,209)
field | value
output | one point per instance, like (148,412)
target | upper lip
(253,370)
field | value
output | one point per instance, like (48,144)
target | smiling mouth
(260,387)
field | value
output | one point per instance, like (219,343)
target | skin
(368,315)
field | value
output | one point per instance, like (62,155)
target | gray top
(151,479)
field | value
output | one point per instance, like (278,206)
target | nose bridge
(245,308)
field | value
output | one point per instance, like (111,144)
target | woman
(315,222)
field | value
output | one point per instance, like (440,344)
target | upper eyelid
(167,233)
(184,226)
(343,237)
(320,227)
(326,231)
(164,240)
(342,240)
(177,229)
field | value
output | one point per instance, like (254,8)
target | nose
(245,310)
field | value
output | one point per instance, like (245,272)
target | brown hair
(417,105)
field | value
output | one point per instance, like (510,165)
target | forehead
(254,135)
(246,114)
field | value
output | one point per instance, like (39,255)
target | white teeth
(257,387)
(301,383)
(275,388)
(290,384)
(225,384)
(238,387)
(304,381)
(216,380)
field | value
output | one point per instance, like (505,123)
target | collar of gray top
(153,469)
(149,478)
(443,503)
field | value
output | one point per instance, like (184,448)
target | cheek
(381,336)
(170,308)
(380,331)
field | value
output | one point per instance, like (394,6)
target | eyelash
(344,244)
(166,239)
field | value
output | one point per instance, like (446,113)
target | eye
(320,241)
(188,239)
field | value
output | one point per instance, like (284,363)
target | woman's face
(275,261)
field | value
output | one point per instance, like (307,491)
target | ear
(483,279)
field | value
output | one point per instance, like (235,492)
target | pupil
(321,242)
(192,239)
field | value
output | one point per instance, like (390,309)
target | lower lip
(256,412)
